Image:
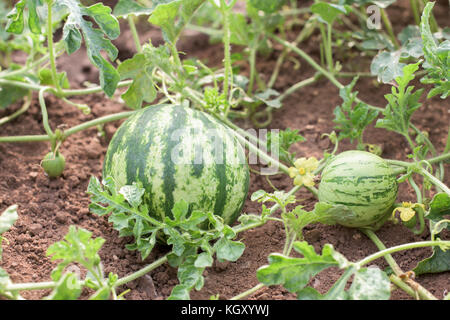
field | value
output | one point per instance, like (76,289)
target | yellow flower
(407,210)
(303,171)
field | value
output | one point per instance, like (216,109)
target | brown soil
(47,207)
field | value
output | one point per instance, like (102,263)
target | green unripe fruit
(53,164)
(411,223)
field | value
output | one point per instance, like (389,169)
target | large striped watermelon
(363,182)
(180,153)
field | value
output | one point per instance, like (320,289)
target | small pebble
(35,228)
(61,217)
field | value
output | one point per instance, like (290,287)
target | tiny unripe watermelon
(53,164)
(362,181)
(179,153)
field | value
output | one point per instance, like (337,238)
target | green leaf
(280,197)
(437,57)
(403,102)
(173,16)
(265,97)
(77,246)
(438,262)
(298,219)
(295,273)
(46,78)
(133,194)
(203,260)
(190,275)
(328,12)
(124,8)
(180,292)
(228,250)
(95,39)
(240,33)
(101,294)
(351,120)
(140,69)
(4,279)
(411,41)
(370,284)
(10,94)
(429,43)
(67,288)
(282,142)
(8,218)
(180,210)
(387,66)
(268,6)
(309,293)
(17,22)
(439,206)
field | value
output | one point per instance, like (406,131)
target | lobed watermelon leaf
(328,12)
(437,58)
(352,119)
(403,102)
(77,246)
(295,273)
(7,220)
(67,288)
(192,248)
(75,28)
(173,16)
(124,8)
(17,21)
(438,262)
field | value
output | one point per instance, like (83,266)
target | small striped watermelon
(363,182)
(180,153)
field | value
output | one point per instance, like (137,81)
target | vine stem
(403,286)
(142,272)
(318,68)
(304,34)
(415,9)
(73,130)
(387,23)
(50,46)
(44,113)
(228,79)
(386,253)
(64,92)
(438,183)
(298,86)
(134,33)
(447,145)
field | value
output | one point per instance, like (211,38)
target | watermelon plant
(176,170)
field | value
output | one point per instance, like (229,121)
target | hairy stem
(142,271)
(228,79)
(438,183)
(415,10)
(50,46)
(388,25)
(134,33)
